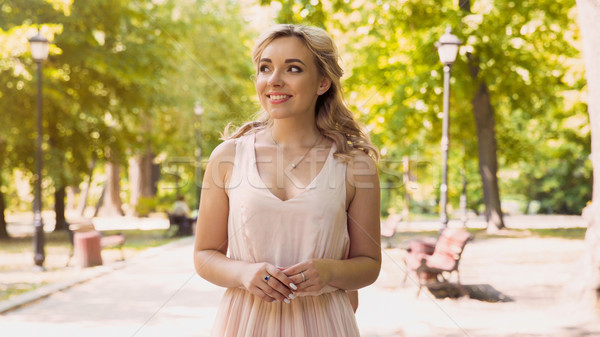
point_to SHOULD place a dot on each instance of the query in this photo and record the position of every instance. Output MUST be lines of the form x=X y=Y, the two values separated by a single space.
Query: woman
x=294 y=197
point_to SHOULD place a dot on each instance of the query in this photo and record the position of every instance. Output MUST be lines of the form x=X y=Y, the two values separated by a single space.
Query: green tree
x=507 y=82
x=122 y=77
x=17 y=97
x=213 y=68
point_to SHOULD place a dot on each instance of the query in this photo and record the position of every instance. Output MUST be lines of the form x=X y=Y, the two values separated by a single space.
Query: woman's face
x=288 y=82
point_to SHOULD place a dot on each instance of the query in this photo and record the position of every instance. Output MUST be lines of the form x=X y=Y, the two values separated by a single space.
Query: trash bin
x=87 y=249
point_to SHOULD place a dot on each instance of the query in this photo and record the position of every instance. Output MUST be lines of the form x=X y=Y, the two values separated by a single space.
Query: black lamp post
x=447 y=48
x=39 y=52
x=198 y=111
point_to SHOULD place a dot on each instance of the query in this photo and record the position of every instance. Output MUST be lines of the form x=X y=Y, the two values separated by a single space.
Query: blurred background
x=110 y=109
x=136 y=94
x=143 y=89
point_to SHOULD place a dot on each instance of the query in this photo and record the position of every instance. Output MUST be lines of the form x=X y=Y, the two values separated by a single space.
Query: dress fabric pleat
x=263 y=228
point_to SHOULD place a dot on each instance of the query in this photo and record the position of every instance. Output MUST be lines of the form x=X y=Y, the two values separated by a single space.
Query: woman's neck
x=294 y=134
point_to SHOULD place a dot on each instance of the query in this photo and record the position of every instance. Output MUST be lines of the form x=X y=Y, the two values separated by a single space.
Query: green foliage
x=303 y=11
x=123 y=76
x=145 y=206
x=561 y=173
x=523 y=51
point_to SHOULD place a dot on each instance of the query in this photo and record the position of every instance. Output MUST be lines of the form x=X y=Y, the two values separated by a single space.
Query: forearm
x=217 y=268
x=353 y=273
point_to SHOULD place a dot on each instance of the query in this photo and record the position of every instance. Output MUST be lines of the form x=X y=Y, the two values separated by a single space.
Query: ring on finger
x=303 y=277
x=267 y=278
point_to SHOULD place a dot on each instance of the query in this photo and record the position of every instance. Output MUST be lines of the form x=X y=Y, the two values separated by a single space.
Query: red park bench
x=87 y=243
x=431 y=260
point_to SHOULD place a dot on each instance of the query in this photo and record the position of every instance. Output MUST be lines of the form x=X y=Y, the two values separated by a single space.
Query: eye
x=295 y=69
x=263 y=68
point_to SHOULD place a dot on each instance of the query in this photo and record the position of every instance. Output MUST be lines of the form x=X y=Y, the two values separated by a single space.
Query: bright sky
x=259 y=17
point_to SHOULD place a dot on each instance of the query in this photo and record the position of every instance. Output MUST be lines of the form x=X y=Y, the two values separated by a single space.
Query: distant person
x=180 y=216
x=289 y=214
x=180 y=207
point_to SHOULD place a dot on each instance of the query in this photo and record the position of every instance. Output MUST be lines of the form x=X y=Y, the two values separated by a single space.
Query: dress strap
x=242 y=160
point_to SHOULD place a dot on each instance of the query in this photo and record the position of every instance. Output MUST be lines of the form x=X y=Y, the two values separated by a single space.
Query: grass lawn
x=565 y=233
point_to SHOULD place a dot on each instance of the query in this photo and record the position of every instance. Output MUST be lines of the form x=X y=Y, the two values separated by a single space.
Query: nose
x=275 y=79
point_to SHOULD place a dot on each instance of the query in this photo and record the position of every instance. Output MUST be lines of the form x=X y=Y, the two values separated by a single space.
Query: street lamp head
x=198 y=109
x=39 y=47
x=448 y=47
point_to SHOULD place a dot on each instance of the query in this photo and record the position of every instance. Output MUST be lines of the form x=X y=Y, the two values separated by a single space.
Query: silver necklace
x=294 y=165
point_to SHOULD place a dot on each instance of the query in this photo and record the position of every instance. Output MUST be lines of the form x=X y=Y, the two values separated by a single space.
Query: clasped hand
x=273 y=284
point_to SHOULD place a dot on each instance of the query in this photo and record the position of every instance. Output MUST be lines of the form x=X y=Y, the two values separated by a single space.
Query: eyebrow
x=286 y=61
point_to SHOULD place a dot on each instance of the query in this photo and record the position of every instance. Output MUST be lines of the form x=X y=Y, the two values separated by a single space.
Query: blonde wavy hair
x=333 y=118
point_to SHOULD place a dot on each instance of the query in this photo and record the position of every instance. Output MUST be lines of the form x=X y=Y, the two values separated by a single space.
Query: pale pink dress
x=263 y=228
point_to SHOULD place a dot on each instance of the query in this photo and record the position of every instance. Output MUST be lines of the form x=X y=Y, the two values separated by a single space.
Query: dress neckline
x=264 y=186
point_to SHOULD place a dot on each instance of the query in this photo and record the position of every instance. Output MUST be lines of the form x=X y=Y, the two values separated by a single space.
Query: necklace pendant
x=294 y=166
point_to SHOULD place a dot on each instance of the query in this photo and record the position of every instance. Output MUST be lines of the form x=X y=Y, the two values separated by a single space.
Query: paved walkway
x=158 y=294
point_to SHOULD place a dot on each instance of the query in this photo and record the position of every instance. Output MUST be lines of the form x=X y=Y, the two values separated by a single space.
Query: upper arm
x=211 y=227
x=364 y=198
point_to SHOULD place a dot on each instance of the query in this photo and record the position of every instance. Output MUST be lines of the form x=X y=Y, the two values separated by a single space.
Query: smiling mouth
x=278 y=97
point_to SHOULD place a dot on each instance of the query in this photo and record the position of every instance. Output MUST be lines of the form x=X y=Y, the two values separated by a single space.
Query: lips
x=278 y=97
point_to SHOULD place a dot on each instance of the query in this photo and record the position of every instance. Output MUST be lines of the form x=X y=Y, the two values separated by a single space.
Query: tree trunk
x=156 y=175
x=59 y=209
x=100 y=201
x=488 y=164
x=86 y=190
x=589 y=12
x=486 y=141
x=111 y=203
x=141 y=178
x=147 y=187
x=3 y=224
x=486 y=138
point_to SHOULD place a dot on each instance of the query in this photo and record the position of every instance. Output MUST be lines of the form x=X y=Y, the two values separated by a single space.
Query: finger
x=284 y=280
x=259 y=292
x=304 y=286
x=295 y=269
x=276 y=290
x=297 y=279
x=313 y=282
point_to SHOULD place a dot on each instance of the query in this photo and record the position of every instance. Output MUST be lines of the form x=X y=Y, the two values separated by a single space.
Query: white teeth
x=278 y=97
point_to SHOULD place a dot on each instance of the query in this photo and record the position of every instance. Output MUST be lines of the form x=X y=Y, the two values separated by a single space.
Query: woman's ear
x=324 y=85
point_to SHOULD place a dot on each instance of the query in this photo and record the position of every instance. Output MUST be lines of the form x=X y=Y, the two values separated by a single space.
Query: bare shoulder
x=223 y=151
x=220 y=163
